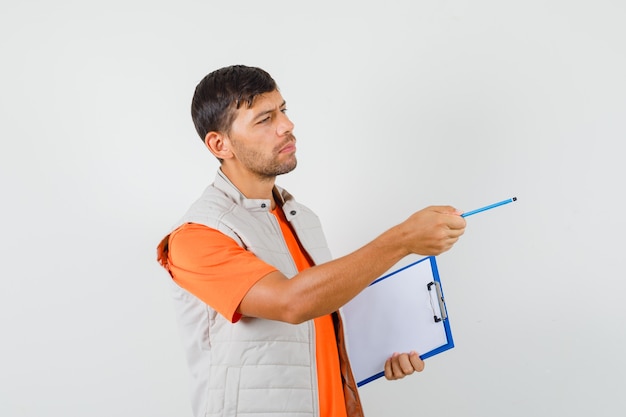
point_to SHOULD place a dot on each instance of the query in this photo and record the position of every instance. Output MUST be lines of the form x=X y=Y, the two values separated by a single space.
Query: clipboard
x=402 y=311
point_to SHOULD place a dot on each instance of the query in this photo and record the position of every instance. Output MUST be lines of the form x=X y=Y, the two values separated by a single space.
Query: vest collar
x=224 y=184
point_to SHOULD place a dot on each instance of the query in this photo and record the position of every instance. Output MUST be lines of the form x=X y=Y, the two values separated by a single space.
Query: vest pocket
x=231 y=392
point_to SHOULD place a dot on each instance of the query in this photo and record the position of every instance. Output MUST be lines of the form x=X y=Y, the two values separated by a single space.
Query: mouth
x=288 y=147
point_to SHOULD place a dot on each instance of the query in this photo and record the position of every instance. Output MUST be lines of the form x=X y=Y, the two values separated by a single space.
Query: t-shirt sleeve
x=213 y=267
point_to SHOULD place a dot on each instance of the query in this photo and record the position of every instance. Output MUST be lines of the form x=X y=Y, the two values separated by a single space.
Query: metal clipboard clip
x=438 y=300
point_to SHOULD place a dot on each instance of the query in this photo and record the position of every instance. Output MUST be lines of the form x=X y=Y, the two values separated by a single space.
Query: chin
x=287 y=168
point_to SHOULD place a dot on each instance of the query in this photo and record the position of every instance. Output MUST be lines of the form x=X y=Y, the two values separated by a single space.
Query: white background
x=397 y=105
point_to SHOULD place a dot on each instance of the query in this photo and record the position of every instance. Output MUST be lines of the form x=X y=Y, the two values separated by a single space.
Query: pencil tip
x=514 y=198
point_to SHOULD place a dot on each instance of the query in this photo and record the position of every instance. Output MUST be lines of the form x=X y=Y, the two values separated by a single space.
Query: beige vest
x=255 y=366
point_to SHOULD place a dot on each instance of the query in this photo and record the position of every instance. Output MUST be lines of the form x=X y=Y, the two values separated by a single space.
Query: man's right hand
x=432 y=230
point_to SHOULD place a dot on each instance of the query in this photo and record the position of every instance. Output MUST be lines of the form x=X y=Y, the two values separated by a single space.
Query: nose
x=285 y=126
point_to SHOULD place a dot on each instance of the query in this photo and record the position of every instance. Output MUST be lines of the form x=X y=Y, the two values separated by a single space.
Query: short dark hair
x=223 y=91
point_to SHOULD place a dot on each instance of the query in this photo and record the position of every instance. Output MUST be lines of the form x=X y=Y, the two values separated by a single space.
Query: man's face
x=262 y=137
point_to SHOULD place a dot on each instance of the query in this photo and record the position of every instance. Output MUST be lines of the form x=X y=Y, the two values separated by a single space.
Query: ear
x=218 y=144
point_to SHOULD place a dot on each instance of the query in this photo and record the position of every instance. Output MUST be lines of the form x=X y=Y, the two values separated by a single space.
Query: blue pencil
x=469 y=213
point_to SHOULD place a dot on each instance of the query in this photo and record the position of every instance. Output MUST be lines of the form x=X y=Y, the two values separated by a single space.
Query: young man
x=256 y=289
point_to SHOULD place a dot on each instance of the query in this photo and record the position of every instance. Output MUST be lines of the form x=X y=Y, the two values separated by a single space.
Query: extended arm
x=324 y=288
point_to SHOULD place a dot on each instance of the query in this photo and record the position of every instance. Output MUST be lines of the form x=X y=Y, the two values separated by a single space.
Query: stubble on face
x=266 y=166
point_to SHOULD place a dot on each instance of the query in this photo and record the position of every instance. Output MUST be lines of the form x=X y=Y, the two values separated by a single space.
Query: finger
x=388 y=371
x=392 y=368
x=455 y=233
x=446 y=210
x=416 y=362
x=456 y=222
x=405 y=365
x=396 y=371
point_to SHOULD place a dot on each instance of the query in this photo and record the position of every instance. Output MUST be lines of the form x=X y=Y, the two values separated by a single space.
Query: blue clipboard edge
x=446 y=321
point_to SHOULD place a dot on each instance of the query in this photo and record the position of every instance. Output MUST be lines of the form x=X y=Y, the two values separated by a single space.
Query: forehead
x=266 y=101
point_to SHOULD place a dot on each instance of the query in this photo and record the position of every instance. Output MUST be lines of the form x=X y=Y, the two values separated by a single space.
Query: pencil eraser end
x=514 y=198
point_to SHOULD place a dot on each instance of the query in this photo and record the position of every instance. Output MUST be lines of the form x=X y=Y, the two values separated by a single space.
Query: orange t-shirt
x=219 y=272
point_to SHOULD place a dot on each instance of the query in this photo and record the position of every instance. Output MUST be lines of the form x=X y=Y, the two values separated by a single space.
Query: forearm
x=324 y=288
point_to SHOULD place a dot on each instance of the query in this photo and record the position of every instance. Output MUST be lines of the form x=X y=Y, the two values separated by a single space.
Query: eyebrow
x=264 y=112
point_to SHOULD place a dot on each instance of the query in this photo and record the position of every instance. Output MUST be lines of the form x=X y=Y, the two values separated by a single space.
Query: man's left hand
x=400 y=365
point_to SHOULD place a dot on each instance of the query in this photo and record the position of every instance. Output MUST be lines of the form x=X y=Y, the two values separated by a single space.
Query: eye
x=265 y=119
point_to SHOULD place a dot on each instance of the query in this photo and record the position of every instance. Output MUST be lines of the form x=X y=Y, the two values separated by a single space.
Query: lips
x=289 y=148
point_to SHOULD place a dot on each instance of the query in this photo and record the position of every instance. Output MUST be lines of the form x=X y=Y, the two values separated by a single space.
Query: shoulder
x=211 y=206
x=192 y=241
x=209 y=211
